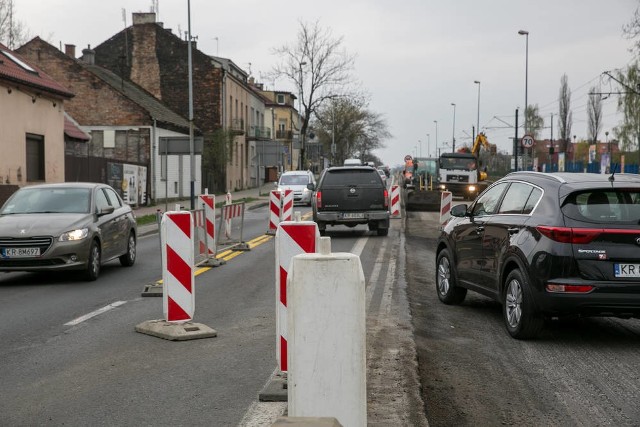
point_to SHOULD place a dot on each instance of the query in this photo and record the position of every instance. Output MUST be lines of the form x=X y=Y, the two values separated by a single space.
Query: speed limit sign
x=527 y=141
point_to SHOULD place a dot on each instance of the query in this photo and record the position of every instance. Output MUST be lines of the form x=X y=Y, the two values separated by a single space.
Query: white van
x=298 y=181
x=352 y=162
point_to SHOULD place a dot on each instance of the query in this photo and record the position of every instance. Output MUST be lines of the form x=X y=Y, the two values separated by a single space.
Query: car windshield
x=48 y=200
x=294 y=180
x=460 y=163
x=610 y=206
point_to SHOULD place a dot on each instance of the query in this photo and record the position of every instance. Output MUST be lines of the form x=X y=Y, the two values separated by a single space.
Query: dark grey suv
x=546 y=245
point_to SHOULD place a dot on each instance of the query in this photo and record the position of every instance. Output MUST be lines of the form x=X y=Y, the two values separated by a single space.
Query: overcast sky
x=414 y=57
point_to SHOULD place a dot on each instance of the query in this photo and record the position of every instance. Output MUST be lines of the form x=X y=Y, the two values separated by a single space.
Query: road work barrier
x=327 y=330
x=227 y=228
x=178 y=301
x=446 y=199
x=292 y=238
x=394 y=205
x=227 y=213
x=205 y=231
x=178 y=298
x=287 y=205
x=275 y=206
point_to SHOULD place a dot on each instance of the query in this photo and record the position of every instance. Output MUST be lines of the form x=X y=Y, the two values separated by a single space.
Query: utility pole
x=516 y=144
x=191 y=142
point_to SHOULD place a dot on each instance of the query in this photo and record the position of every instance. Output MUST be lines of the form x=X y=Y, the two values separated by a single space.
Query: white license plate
x=626 y=270
x=21 y=252
x=354 y=215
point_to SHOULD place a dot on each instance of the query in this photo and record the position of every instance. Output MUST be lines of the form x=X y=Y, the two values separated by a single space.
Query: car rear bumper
x=367 y=217
x=606 y=299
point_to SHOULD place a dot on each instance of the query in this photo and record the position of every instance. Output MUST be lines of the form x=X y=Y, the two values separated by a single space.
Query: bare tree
x=631 y=30
x=534 y=121
x=594 y=113
x=628 y=132
x=318 y=66
x=13 y=32
x=565 y=117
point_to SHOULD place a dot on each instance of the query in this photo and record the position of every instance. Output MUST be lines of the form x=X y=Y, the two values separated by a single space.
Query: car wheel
x=129 y=258
x=448 y=290
x=93 y=265
x=520 y=316
x=383 y=231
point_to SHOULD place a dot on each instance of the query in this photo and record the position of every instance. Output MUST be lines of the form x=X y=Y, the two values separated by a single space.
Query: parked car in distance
x=351 y=195
x=383 y=176
x=544 y=246
x=298 y=182
x=66 y=226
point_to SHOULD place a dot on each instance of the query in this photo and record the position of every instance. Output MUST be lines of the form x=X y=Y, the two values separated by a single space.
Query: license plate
x=20 y=252
x=353 y=215
x=626 y=270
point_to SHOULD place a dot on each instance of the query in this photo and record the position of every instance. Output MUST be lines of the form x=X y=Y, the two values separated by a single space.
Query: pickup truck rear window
x=352 y=177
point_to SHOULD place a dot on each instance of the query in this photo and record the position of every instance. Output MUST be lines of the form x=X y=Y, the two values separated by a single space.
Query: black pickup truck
x=351 y=195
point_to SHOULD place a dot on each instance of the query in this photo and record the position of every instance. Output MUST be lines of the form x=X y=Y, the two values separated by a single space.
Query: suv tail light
x=569 y=234
x=386 y=198
x=319 y=199
x=571 y=289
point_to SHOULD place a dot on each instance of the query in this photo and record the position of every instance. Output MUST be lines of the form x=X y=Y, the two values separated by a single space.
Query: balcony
x=259 y=132
x=284 y=134
x=237 y=126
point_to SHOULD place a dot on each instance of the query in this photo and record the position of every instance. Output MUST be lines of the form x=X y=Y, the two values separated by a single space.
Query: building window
x=35 y=158
x=280 y=99
x=109 y=139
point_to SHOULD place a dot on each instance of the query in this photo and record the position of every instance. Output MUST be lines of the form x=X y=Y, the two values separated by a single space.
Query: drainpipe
x=154 y=148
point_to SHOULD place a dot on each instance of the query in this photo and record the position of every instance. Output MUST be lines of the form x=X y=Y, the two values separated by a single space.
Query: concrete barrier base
x=306 y=422
x=212 y=262
x=152 y=290
x=275 y=390
x=175 y=331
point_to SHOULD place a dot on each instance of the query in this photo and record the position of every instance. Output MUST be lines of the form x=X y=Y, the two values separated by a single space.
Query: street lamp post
x=428 y=144
x=526 y=82
x=478 y=119
x=419 y=154
x=453 y=136
x=436 y=122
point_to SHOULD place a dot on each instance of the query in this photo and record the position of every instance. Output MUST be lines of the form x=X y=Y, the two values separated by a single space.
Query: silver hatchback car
x=67 y=226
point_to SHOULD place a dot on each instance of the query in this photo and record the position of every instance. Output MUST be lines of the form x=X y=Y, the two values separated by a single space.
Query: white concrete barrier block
x=327 y=337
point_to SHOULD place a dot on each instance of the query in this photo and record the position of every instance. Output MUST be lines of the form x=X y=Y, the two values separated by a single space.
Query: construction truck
x=461 y=172
x=420 y=183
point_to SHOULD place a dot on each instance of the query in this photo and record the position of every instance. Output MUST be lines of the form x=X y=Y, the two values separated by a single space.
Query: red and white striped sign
x=292 y=238
x=177 y=262
x=274 y=211
x=287 y=205
x=395 y=201
x=209 y=203
x=446 y=199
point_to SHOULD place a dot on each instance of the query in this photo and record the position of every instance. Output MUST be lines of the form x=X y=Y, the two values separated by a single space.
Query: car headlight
x=73 y=235
x=472 y=188
x=305 y=190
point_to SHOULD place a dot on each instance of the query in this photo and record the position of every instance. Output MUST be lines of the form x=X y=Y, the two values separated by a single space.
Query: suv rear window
x=352 y=177
x=619 y=206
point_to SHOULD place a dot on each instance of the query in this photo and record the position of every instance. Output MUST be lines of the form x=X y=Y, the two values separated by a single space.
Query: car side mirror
x=459 y=211
x=311 y=186
x=106 y=211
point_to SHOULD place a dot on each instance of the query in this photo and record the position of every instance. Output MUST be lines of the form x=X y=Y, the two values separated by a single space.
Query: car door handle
x=513 y=230
x=479 y=229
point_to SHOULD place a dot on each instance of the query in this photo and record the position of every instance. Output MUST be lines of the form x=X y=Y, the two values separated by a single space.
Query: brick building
x=125 y=123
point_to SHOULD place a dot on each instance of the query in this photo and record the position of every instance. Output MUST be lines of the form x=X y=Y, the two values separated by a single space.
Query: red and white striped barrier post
x=208 y=242
x=292 y=238
x=395 y=201
x=227 y=212
x=274 y=211
x=227 y=228
x=177 y=272
x=446 y=199
x=287 y=205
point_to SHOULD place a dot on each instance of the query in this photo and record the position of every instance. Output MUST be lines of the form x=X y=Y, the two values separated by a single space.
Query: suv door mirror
x=459 y=211
x=310 y=186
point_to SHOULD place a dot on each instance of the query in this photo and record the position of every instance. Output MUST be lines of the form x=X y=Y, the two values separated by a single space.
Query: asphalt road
x=579 y=373
x=59 y=368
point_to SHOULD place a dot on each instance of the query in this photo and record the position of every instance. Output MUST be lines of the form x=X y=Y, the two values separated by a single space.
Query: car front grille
x=44 y=243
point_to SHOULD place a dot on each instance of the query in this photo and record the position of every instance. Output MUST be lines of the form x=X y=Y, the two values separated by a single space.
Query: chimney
x=70 y=50
x=144 y=18
x=89 y=55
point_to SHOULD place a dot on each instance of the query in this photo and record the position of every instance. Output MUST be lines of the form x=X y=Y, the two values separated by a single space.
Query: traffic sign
x=527 y=141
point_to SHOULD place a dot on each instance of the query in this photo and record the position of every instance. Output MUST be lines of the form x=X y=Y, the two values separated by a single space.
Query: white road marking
x=94 y=313
x=359 y=246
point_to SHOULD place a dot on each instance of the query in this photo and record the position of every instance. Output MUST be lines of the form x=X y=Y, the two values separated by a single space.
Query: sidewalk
x=261 y=197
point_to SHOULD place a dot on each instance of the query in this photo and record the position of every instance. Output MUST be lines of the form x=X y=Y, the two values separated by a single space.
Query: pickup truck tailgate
x=354 y=197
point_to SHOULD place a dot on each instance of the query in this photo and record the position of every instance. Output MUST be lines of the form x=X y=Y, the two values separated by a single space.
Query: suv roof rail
x=541 y=174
